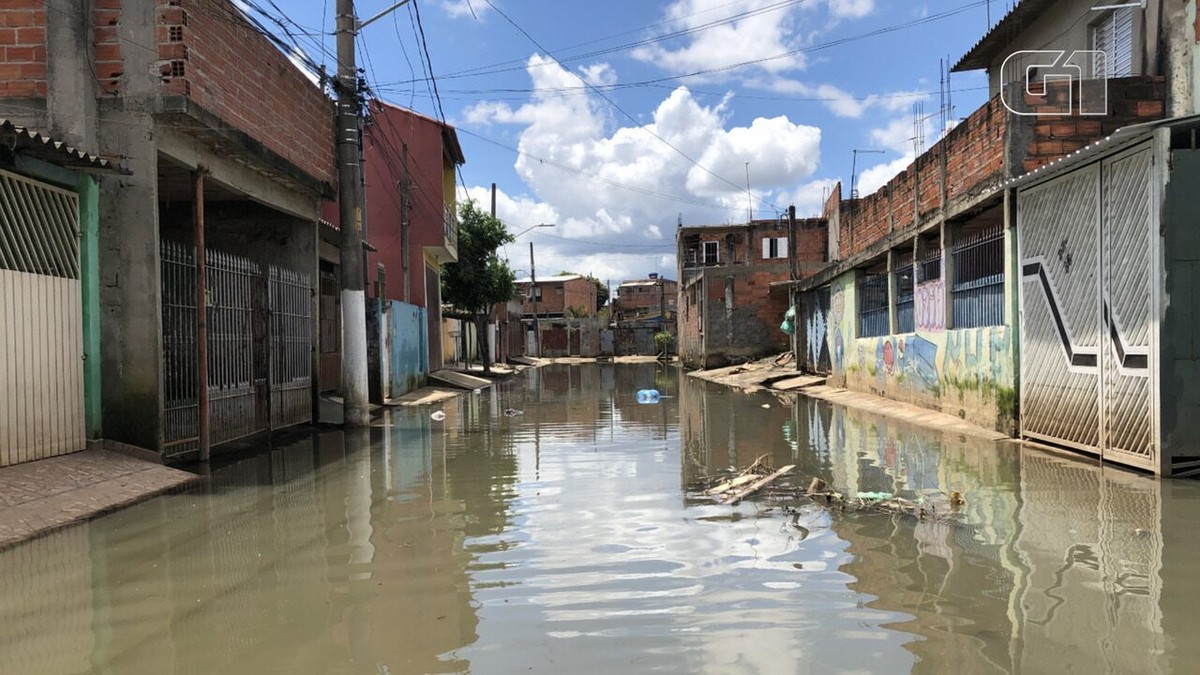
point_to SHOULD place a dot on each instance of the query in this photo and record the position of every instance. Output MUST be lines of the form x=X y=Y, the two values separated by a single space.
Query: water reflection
x=546 y=526
x=1054 y=563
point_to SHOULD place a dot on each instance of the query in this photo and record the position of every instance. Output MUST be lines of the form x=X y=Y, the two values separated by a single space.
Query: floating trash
x=437 y=416
x=513 y=412
x=647 y=396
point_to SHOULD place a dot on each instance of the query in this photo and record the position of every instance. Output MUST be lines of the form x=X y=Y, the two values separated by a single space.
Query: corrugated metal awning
x=34 y=144
x=1119 y=140
x=1002 y=35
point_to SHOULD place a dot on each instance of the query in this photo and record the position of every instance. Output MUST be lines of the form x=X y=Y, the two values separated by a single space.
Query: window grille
x=712 y=252
x=978 y=284
x=873 y=305
x=904 y=299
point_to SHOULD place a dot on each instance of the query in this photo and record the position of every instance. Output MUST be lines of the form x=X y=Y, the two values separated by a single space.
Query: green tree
x=480 y=278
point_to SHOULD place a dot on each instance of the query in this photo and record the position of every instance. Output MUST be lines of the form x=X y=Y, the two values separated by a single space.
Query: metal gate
x=259 y=347
x=41 y=322
x=1086 y=300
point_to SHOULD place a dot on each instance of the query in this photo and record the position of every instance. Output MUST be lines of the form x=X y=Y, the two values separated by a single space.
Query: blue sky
x=630 y=115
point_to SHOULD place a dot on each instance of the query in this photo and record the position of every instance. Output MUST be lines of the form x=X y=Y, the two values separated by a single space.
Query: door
x=1086 y=307
x=41 y=322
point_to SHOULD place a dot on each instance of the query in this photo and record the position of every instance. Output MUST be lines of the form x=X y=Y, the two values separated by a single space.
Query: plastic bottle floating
x=647 y=396
x=438 y=416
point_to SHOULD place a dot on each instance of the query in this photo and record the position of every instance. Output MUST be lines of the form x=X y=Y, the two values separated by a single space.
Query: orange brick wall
x=22 y=49
x=976 y=156
x=234 y=72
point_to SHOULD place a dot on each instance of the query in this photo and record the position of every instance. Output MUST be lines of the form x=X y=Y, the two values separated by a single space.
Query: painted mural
x=965 y=372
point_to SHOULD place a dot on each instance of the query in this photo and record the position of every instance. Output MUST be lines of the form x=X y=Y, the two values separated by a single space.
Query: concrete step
x=459 y=380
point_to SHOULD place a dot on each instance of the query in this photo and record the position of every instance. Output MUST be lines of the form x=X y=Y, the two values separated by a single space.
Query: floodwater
x=567 y=540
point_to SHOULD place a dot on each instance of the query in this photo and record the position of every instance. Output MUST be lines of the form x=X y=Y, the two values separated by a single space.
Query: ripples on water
x=565 y=540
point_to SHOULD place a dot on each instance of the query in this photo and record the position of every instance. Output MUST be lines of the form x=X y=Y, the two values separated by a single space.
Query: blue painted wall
x=410 y=347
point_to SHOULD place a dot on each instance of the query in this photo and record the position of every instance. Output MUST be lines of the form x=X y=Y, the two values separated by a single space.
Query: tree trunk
x=485 y=355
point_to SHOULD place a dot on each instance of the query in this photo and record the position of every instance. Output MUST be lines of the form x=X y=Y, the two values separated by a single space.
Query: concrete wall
x=968 y=372
x=1179 y=360
x=1067 y=24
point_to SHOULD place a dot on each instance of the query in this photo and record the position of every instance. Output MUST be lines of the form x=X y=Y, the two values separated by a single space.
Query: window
x=978 y=284
x=711 y=252
x=535 y=292
x=774 y=247
x=1113 y=35
x=904 y=297
x=873 y=305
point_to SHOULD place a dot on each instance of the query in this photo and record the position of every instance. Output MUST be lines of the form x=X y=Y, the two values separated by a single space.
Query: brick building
x=921 y=300
x=557 y=297
x=646 y=300
x=203 y=110
x=728 y=310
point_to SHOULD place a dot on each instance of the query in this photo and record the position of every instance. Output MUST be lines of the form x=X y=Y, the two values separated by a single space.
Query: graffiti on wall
x=972 y=358
x=977 y=353
x=929 y=305
x=835 y=327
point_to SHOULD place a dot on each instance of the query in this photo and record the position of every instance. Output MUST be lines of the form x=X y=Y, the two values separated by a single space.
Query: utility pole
x=355 y=406
x=793 y=275
x=533 y=288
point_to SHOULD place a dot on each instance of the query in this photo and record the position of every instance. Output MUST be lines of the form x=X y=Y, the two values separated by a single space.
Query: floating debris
x=513 y=412
x=437 y=416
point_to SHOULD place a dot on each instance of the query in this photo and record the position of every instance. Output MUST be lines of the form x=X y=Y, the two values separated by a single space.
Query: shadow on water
x=546 y=525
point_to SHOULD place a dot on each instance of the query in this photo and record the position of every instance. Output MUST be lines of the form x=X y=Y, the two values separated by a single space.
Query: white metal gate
x=1086 y=304
x=41 y=322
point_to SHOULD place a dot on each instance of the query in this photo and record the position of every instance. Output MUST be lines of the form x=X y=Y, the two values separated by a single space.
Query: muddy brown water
x=566 y=540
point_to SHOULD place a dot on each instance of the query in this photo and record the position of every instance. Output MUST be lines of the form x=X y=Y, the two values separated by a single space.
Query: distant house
x=728 y=310
x=556 y=297
x=646 y=300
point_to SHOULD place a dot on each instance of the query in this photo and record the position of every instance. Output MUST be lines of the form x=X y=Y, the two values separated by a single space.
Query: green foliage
x=480 y=278
x=663 y=341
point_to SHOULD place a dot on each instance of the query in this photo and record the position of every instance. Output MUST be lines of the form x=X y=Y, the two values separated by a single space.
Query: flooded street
x=565 y=539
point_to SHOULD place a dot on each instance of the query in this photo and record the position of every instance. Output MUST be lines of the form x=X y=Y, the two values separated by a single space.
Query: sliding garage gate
x=41 y=322
x=1086 y=240
x=259 y=347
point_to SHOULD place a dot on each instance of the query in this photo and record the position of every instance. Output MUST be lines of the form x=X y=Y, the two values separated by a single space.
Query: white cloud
x=617 y=193
x=870 y=180
x=761 y=35
x=809 y=198
x=464 y=8
x=851 y=9
x=839 y=101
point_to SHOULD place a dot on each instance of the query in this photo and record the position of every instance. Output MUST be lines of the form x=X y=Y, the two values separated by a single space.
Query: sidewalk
x=766 y=375
x=38 y=497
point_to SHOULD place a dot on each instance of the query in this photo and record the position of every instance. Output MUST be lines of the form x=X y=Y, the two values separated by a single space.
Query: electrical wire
x=633 y=119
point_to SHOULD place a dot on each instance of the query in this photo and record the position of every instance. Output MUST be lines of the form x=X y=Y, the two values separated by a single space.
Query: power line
x=633 y=119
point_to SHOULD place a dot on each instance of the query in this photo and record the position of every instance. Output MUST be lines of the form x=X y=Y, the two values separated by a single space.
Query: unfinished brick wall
x=22 y=49
x=977 y=154
x=974 y=155
x=209 y=53
x=1130 y=100
x=109 y=63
